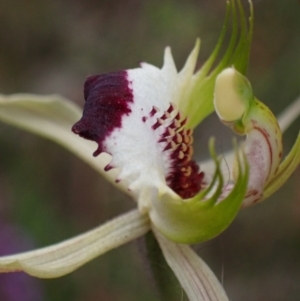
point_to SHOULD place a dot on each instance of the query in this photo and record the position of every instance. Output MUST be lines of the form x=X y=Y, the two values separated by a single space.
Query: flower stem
x=162 y=277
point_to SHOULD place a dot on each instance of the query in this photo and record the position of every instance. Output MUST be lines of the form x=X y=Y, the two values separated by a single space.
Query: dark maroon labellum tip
x=107 y=99
x=108 y=167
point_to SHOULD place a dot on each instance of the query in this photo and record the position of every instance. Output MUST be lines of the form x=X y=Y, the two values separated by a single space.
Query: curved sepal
x=198 y=103
x=65 y=257
x=286 y=168
x=196 y=278
x=204 y=216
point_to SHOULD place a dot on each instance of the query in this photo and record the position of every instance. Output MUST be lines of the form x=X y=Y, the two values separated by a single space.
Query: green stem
x=164 y=280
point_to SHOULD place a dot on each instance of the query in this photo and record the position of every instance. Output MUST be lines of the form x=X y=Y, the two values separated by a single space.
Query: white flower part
x=60 y=259
x=143 y=160
x=196 y=278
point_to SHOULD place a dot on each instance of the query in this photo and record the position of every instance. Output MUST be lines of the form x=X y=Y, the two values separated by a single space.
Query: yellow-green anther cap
x=237 y=107
x=233 y=94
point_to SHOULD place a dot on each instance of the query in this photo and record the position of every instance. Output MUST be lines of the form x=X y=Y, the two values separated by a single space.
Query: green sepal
x=199 y=104
x=286 y=168
x=206 y=215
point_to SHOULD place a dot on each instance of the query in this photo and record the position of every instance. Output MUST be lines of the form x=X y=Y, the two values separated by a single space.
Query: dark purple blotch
x=107 y=99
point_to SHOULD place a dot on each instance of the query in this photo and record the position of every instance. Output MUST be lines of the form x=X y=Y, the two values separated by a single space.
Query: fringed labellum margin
x=123 y=126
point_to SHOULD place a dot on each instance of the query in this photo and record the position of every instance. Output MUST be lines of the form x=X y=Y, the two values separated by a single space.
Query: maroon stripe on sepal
x=107 y=99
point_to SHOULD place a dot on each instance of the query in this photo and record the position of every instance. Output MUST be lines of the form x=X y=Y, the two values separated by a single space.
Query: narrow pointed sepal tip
x=233 y=93
x=200 y=99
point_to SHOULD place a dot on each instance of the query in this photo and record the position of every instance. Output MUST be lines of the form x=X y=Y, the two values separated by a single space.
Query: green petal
x=286 y=168
x=198 y=104
x=52 y=117
x=65 y=257
x=204 y=216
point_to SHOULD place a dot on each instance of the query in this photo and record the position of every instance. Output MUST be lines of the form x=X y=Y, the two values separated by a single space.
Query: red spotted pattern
x=185 y=177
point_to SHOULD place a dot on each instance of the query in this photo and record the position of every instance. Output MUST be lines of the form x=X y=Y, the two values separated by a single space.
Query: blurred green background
x=48 y=195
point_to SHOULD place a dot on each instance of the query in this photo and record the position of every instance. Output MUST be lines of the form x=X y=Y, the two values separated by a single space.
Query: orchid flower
x=142 y=121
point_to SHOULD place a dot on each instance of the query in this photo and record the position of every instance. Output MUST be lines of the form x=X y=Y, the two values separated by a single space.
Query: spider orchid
x=142 y=121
